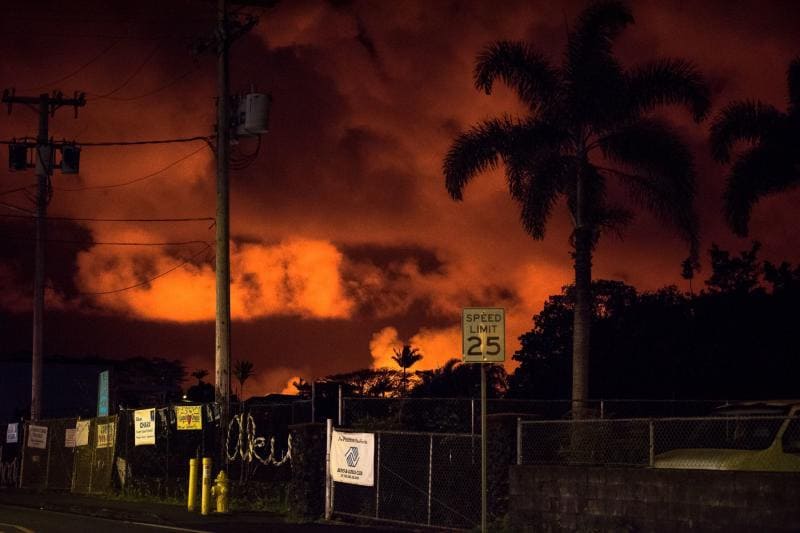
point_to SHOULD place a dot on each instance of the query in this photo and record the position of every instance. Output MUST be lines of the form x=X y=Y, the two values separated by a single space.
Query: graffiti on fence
x=248 y=447
x=9 y=473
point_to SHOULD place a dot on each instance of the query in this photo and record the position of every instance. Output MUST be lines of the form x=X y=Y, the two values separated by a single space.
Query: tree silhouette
x=200 y=374
x=242 y=371
x=771 y=164
x=405 y=359
x=588 y=111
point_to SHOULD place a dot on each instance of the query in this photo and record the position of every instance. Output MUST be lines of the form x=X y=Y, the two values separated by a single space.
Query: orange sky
x=345 y=242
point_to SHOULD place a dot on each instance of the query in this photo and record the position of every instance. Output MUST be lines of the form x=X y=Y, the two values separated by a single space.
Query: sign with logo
x=105 y=435
x=483 y=334
x=82 y=433
x=189 y=416
x=69 y=438
x=144 y=427
x=12 y=433
x=102 y=394
x=352 y=458
x=37 y=437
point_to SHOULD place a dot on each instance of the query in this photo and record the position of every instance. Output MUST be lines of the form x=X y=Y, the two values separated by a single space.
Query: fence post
x=652 y=444
x=49 y=447
x=313 y=401
x=328 y=481
x=377 y=475
x=519 y=440
x=341 y=406
x=430 y=476
x=602 y=409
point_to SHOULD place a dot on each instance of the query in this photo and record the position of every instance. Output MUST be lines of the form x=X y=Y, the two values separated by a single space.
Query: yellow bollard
x=220 y=492
x=192 y=489
x=205 y=495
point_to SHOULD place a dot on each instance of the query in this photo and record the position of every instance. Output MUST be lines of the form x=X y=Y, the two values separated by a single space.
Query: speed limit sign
x=483 y=334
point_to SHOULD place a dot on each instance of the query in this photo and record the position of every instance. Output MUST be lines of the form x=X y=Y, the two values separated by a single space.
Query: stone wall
x=564 y=498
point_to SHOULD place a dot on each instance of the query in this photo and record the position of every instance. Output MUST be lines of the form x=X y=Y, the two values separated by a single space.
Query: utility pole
x=46 y=106
x=222 y=354
x=227 y=31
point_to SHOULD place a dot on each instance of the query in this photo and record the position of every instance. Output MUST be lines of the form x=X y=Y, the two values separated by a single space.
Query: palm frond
x=614 y=218
x=595 y=81
x=793 y=79
x=759 y=172
x=520 y=67
x=742 y=121
x=598 y=26
x=662 y=177
x=547 y=178
x=669 y=81
x=475 y=151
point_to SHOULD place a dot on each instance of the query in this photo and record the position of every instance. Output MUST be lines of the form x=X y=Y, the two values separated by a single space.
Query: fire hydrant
x=220 y=491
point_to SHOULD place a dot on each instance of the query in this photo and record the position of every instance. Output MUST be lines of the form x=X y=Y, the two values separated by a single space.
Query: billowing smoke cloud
x=298 y=277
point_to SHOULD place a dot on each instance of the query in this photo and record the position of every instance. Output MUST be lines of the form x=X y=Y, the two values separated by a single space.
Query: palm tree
x=405 y=359
x=771 y=164
x=199 y=374
x=588 y=120
x=242 y=370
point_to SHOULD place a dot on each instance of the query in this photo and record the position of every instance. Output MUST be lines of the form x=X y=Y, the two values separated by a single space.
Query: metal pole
x=222 y=355
x=430 y=477
x=484 y=484
x=313 y=401
x=42 y=179
x=340 y=406
x=377 y=474
x=328 y=482
x=472 y=429
x=652 y=444
x=519 y=440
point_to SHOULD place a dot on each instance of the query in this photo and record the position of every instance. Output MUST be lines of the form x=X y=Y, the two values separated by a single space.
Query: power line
x=17 y=208
x=75 y=219
x=130 y=78
x=130 y=182
x=166 y=85
x=18 y=189
x=103 y=243
x=161 y=275
x=79 y=69
x=206 y=138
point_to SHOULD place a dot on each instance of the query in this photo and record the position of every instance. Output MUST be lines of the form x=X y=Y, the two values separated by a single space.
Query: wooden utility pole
x=222 y=355
x=46 y=106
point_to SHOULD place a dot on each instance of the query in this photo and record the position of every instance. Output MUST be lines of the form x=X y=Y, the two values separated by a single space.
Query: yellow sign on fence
x=189 y=416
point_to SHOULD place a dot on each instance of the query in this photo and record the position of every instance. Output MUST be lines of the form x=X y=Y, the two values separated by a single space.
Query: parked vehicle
x=756 y=436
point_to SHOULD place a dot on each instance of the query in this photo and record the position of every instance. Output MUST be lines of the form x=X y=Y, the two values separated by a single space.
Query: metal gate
x=428 y=479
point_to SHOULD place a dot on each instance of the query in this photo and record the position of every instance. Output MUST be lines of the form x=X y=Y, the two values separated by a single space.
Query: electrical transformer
x=253 y=114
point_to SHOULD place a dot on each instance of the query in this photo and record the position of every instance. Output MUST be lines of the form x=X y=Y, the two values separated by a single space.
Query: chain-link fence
x=430 y=479
x=68 y=454
x=442 y=414
x=10 y=453
x=770 y=443
x=463 y=414
x=160 y=467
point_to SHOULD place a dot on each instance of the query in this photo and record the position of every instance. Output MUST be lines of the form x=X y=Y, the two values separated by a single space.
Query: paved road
x=24 y=520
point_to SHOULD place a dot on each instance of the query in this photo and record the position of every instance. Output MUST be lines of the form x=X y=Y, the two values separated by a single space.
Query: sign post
x=483 y=340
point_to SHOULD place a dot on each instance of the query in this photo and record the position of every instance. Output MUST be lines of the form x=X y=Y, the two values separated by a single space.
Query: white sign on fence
x=37 y=437
x=69 y=438
x=12 y=433
x=352 y=458
x=82 y=433
x=105 y=435
x=144 y=427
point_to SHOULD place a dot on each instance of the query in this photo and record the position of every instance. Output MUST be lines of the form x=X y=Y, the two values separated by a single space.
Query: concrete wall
x=563 y=498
